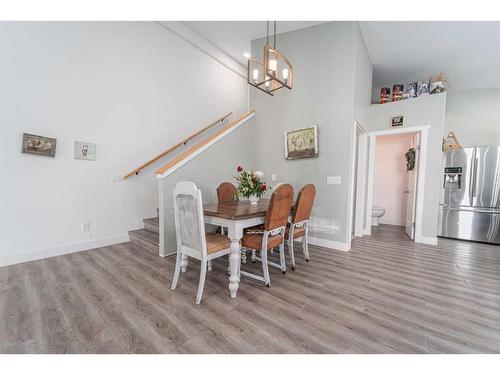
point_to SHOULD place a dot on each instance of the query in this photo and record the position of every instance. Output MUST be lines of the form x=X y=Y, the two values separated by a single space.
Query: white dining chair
x=192 y=241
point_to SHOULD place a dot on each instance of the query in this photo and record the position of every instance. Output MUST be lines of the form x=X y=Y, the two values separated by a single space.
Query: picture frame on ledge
x=301 y=143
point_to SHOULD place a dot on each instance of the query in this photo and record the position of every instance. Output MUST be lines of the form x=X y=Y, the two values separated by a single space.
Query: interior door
x=411 y=192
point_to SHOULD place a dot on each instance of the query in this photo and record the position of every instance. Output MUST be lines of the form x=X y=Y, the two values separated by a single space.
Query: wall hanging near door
x=275 y=73
x=451 y=142
x=410 y=159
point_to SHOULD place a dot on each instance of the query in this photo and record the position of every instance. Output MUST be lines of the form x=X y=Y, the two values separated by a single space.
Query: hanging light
x=276 y=72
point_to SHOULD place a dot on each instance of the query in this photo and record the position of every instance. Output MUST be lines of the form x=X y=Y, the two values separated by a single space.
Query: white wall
x=324 y=61
x=133 y=88
x=424 y=110
x=390 y=178
x=474 y=116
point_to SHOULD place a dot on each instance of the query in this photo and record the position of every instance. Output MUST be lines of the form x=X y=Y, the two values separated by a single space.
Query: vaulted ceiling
x=467 y=52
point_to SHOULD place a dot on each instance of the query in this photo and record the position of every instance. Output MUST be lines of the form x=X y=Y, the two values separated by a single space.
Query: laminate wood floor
x=387 y=295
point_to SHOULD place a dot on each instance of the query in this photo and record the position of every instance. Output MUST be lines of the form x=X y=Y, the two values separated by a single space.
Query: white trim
x=361 y=186
x=235 y=126
x=28 y=256
x=161 y=212
x=335 y=245
x=424 y=132
x=426 y=240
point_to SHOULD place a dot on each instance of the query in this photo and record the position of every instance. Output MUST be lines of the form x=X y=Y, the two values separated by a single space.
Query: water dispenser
x=453 y=178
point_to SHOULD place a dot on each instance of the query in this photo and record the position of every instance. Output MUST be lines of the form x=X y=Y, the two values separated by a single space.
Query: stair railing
x=174 y=147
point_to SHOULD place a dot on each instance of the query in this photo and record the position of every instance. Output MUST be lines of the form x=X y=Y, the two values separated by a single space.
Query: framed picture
x=38 y=145
x=396 y=121
x=85 y=150
x=397 y=92
x=301 y=143
x=423 y=88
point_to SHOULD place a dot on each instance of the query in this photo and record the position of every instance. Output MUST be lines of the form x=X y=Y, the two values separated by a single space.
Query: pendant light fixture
x=274 y=73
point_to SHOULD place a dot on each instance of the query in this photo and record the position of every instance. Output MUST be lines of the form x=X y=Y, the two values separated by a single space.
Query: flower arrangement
x=250 y=184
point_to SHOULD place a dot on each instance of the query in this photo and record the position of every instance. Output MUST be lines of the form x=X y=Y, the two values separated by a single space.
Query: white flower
x=259 y=174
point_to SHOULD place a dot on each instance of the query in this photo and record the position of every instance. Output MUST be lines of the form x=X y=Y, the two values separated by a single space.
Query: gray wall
x=425 y=110
x=474 y=116
x=324 y=61
x=133 y=88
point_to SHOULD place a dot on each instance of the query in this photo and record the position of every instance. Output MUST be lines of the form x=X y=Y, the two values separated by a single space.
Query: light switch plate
x=273 y=177
x=333 y=180
x=85 y=227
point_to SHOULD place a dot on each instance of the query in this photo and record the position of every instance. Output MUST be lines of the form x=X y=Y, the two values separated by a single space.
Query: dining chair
x=273 y=234
x=227 y=192
x=297 y=227
x=192 y=241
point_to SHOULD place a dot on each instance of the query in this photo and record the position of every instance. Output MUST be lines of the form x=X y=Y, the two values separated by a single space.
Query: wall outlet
x=85 y=227
x=116 y=178
x=273 y=177
x=333 y=180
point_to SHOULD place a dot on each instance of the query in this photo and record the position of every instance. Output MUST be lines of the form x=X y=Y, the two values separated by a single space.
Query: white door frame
x=360 y=185
x=419 y=199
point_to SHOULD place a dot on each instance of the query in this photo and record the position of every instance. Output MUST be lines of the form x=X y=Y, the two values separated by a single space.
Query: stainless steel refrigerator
x=470 y=208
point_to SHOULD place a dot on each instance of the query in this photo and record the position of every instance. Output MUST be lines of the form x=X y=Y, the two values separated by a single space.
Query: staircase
x=147 y=238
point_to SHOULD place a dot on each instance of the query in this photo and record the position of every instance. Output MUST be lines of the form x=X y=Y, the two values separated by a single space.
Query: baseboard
x=426 y=240
x=28 y=256
x=335 y=245
x=392 y=222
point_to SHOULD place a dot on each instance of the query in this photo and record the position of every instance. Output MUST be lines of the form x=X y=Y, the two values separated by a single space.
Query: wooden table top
x=237 y=210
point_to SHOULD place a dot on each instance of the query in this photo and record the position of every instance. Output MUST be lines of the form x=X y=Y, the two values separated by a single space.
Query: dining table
x=236 y=216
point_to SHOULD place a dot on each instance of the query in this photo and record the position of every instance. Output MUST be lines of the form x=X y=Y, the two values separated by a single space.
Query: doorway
x=394 y=182
x=413 y=205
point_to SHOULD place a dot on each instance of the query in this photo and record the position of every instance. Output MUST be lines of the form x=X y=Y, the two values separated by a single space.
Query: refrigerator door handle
x=473 y=180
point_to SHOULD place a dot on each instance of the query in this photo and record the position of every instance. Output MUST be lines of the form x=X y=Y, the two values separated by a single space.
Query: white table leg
x=235 y=234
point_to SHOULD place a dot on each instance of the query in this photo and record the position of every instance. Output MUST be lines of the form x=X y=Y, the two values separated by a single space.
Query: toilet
x=377 y=212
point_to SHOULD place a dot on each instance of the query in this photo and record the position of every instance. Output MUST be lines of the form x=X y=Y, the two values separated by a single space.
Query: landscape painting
x=301 y=143
x=38 y=145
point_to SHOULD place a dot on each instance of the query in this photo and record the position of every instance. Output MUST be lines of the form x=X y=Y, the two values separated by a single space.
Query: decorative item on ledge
x=250 y=184
x=451 y=142
x=410 y=159
x=275 y=73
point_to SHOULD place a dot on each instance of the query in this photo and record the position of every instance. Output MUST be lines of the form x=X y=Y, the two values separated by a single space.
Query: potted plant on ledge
x=250 y=184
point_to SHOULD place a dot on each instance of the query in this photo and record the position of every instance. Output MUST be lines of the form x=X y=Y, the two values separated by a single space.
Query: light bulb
x=272 y=66
x=267 y=85
x=255 y=75
x=284 y=72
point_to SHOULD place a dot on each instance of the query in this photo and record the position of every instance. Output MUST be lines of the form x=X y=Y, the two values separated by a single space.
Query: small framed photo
x=85 y=150
x=301 y=143
x=396 y=121
x=38 y=145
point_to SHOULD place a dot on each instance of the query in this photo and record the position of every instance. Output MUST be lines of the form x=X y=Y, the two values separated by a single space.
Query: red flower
x=239 y=169
x=263 y=187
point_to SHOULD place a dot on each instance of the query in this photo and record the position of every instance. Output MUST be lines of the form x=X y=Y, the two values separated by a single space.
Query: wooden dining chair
x=227 y=192
x=273 y=234
x=297 y=227
x=192 y=241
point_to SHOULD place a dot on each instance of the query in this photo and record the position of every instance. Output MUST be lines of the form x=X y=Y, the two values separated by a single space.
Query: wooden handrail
x=183 y=142
x=195 y=148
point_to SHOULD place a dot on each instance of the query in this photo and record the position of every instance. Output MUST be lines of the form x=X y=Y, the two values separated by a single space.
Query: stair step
x=145 y=239
x=152 y=224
